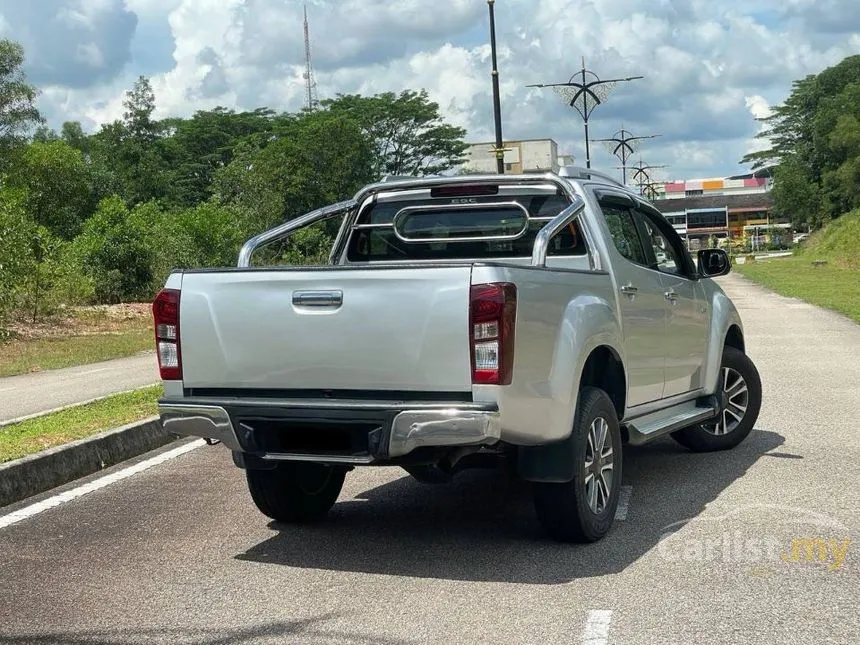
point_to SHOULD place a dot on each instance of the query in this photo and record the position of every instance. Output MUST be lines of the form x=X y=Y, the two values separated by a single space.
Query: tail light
x=165 y=313
x=492 y=320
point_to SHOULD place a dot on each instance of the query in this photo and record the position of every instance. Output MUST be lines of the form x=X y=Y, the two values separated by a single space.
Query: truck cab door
x=686 y=308
x=641 y=303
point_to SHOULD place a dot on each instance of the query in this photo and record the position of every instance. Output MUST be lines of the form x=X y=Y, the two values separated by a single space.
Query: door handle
x=318 y=298
x=671 y=295
x=629 y=289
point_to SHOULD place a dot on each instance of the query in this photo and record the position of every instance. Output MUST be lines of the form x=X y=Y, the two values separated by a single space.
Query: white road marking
x=98 y=369
x=101 y=482
x=596 y=630
x=623 y=502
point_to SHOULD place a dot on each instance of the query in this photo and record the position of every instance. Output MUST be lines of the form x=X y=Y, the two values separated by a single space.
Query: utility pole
x=310 y=82
x=623 y=144
x=584 y=91
x=497 y=106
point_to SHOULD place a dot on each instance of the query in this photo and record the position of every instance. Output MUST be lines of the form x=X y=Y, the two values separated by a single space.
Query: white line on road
x=596 y=630
x=623 y=502
x=88 y=372
x=101 y=482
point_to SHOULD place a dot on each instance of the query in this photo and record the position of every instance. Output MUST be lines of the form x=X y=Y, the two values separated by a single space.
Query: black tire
x=563 y=508
x=704 y=437
x=296 y=491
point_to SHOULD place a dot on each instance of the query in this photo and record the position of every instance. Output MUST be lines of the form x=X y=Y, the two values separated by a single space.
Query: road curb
x=54 y=467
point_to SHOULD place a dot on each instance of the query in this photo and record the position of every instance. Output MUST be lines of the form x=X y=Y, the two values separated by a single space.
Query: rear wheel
x=739 y=395
x=296 y=491
x=582 y=510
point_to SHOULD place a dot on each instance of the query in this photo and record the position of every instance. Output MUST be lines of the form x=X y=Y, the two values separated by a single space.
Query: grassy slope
x=38 y=434
x=835 y=285
x=85 y=337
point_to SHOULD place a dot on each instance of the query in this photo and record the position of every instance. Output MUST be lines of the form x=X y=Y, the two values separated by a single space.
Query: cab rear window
x=405 y=231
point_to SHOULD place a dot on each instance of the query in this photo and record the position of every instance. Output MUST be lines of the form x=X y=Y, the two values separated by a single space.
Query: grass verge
x=833 y=286
x=84 y=337
x=35 y=435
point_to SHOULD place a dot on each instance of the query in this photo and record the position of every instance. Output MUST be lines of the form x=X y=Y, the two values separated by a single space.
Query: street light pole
x=623 y=144
x=497 y=105
x=576 y=93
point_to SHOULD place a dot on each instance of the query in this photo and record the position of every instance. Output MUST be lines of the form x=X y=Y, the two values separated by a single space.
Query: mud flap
x=550 y=463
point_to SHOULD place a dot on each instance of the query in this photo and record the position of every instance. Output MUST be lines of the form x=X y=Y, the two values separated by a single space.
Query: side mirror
x=713 y=263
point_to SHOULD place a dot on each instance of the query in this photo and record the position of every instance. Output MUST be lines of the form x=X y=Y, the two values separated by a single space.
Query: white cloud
x=709 y=68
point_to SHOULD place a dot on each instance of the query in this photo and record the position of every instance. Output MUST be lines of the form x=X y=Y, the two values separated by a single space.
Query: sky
x=710 y=67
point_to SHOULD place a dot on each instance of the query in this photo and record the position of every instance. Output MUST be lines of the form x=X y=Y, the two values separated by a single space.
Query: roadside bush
x=167 y=243
x=55 y=278
x=116 y=253
x=16 y=231
x=215 y=232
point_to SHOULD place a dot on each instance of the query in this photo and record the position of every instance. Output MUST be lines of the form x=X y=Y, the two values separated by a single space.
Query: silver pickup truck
x=542 y=321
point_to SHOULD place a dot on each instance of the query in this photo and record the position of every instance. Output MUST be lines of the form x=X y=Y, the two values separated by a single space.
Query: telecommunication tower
x=310 y=82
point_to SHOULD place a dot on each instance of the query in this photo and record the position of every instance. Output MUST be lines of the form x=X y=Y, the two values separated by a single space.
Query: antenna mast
x=310 y=83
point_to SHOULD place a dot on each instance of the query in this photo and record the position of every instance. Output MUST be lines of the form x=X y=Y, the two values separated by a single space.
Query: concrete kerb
x=54 y=467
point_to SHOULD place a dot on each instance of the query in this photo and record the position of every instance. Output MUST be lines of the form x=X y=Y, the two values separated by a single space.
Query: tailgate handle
x=318 y=298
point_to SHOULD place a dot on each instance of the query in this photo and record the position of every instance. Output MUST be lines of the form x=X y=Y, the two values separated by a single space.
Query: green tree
x=139 y=105
x=73 y=134
x=814 y=137
x=198 y=147
x=318 y=158
x=214 y=233
x=408 y=134
x=44 y=134
x=795 y=195
x=57 y=182
x=115 y=251
x=18 y=112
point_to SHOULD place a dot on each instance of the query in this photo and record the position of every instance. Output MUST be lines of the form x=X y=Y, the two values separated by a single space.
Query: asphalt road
x=178 y=554
x=39 y=392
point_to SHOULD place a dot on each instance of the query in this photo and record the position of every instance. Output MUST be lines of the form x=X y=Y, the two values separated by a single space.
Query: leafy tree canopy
x=407 y=132
x=815 y=144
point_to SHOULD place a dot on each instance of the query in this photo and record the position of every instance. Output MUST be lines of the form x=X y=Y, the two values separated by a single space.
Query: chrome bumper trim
x=410 y=429
x=207 y=421
x=449 y=427
x=328 y=459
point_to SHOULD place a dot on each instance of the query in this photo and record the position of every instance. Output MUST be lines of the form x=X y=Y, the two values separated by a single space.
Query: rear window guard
x=545 y=226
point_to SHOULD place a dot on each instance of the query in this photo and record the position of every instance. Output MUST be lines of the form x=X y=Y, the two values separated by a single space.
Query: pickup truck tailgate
x=332 y=329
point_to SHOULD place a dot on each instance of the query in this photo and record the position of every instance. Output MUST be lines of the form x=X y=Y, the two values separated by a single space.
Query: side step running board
x=662 y=422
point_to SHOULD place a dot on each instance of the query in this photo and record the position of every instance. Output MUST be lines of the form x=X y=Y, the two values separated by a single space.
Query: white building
x=527 y=155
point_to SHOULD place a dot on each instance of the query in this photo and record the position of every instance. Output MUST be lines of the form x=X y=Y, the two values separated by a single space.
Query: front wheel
x=582 y=510
x=739 y=396
x=296 y=491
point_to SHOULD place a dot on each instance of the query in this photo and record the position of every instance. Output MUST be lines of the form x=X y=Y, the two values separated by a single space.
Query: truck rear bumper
x=337 y=432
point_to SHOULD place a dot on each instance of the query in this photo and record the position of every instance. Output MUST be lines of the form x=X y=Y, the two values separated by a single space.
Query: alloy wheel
x=735 y=399
x=599 y=466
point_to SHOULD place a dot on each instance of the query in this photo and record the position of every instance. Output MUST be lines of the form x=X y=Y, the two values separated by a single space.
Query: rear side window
x=398 y=230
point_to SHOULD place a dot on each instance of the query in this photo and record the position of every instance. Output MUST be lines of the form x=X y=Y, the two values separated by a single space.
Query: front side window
x=622 y=229
x=669 y=253
x=667 y=261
